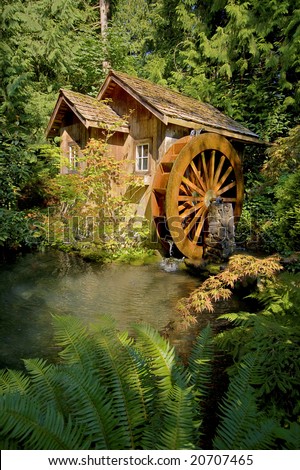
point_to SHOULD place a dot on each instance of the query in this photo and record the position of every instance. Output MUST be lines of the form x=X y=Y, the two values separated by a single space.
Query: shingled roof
x=90 y=111
x=173 y=107
x=167 y=105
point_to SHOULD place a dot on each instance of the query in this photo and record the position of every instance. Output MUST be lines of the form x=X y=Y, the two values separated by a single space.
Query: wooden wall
x=144 y=126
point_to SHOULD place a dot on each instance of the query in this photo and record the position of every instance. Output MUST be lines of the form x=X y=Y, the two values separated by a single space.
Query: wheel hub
x=209 y=196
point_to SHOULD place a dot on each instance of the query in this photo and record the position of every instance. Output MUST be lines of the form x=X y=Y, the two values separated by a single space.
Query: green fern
x=200 y=361
x=73 y=337
x=90 y=405
x=163 y=362
x=13 y=381
x=44 y=387
x=23 y=420
x=110 y=391
x=290 y=436
x=178 y=425
x=242 y=426
x=119 y=375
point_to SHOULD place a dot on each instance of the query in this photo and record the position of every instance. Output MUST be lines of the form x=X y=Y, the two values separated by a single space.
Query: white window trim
x=73 y=154
x=137 y=158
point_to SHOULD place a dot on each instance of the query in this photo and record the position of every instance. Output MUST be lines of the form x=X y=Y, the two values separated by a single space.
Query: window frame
x=73 y=156
x=141 y=158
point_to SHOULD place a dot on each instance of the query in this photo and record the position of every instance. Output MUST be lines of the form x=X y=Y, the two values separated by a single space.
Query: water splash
x=171 y=264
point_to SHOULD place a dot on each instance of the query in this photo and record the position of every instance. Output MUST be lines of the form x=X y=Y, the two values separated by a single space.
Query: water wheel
x=193 y=173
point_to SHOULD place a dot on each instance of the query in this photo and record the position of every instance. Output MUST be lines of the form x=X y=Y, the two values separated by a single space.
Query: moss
x=92 y=255
x=153 y=258
x=213 y=268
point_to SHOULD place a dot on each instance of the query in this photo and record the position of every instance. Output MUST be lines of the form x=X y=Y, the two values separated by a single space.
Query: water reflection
x=42 y=284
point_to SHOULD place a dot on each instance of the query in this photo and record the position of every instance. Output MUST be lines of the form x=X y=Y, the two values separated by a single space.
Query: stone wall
x=220 y=241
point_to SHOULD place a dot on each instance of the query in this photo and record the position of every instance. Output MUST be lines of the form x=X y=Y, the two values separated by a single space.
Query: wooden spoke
x=199 y=165
x=207 y=166
x=191 y=185
x=229 y=199
x=205 y=169
x=226 y=188
x=199 y=228
x=212 y=168
x=197 y=173
x=224 y=178
x=185 y=190
x=184 y=206
x=189 y=198
x=191 y=210
x=193 y=221
x=219 y=169
x=188 y=175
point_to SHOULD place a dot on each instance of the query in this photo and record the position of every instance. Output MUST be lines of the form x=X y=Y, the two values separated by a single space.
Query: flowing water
x=40 y=285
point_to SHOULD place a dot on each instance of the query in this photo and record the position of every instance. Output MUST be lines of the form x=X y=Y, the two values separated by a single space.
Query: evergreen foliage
x=269 y=340
x=241 y=56
x=270 y=217
x=242 y=426
x=113 y=391
x=108 y=392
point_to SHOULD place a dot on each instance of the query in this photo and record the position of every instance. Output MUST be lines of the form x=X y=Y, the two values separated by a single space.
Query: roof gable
x=172 y=107
x=90 y=111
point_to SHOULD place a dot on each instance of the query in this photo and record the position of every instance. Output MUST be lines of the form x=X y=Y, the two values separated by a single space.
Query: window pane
x=142 y=157
x=145 y=164
x=73 y=156
x=145 y=150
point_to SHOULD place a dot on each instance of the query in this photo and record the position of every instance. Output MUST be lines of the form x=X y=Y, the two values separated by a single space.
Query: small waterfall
x=171 y=243
x=170 y=264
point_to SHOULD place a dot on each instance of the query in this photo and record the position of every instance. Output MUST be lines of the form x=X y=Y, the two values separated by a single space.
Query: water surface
x=40 y=285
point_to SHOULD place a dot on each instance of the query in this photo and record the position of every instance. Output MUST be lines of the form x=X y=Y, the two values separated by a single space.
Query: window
x=73 y=157
x=142 y=162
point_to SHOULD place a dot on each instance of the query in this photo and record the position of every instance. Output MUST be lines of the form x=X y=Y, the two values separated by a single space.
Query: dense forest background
x=243 y=57
x=240 y=56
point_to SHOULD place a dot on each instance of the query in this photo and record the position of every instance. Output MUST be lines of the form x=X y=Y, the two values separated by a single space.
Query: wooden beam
x=53 y=115
x=245 y=138
x=75 y=111
x=101 y=125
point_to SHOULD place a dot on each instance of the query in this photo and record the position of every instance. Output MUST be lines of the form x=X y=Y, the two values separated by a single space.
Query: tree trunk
x=104 y=9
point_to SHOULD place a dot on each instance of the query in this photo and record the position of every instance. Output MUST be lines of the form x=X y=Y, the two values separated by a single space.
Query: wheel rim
x=207 y=168
x=159 y=187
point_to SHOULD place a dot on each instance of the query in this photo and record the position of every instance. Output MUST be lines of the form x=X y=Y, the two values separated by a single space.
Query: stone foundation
x=220 y=241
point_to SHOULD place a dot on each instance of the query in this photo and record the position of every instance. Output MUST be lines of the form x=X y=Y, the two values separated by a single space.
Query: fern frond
x=44 y=387
x=23 y=421
x=90 y=405
x=139 y=375
x=233 y=341
x=119 y=375
x=238 y=318
x=9 y=444
x=290 y=436
x=178 y=423
x=73 y=337
x=13 y=381
x=240 y=416
x=200 y=361
x=262 y=435
x=163 y=362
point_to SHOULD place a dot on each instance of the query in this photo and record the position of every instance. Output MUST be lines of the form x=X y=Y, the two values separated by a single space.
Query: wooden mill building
x=162 y=128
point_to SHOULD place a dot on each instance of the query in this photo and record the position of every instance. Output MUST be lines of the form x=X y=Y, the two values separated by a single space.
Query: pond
x=40 y=285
